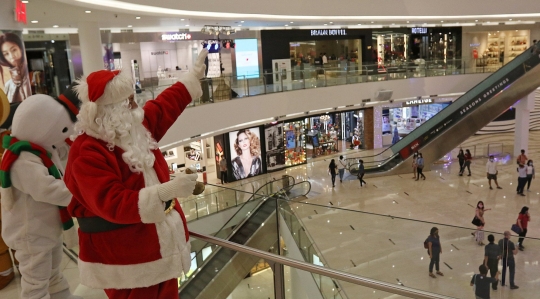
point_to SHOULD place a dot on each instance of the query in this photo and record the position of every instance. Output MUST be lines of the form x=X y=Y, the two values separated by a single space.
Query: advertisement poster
x=219 y=150
x=245 y=147
x=15 y=81
x=247 y=58
x=291 y=139
x=275 y=152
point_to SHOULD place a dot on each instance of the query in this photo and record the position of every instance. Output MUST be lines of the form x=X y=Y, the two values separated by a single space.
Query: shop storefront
x=198 y=154
x=398 y=122
x=492 y=49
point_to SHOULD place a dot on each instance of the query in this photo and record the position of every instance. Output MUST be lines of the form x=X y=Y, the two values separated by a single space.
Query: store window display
x=275 y=149
x=295 y=152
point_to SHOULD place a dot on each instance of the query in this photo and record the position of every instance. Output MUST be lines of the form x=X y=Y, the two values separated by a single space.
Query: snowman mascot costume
x=34 y=196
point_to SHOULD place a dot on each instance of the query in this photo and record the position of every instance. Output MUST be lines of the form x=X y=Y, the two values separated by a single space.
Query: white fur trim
x=150 y=206
x=101 y=276
x=117 y=90
x=71 y=238
x=7 y=199
x=192 y=84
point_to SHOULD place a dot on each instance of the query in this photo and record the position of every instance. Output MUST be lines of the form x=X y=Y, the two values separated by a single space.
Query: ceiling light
x=286 y=25
x=87 y=11
x=241 y=21
x=325 y=24
x=34 y=22
x=476 y=20
x=372 y=22
x=407 y=22
x=509 y=19
x=137 y=18
x=442 y=21
x=25 y=1
x=129 y=26
x=291 y=22
x=240 y=25
x=55 y=26
x=359 y=24
x=187 y=25
x=331 y=22
x=52 y=41
x=182 y=19
x=393 y=23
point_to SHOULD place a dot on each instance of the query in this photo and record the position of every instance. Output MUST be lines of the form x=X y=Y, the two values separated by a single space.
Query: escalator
x=460 y=120
x=254 y=225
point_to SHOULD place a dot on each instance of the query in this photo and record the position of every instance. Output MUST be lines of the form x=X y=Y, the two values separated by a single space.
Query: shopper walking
x=434 y=251
x=420 y=167
x=341 y=165
x=481 y=282
x=479 y=221
x=530 y=173
x=523 y=222
x=461 y=159
x=508 y=250
x=223 y=169
x=492 y=255
x=468 y=160
x=522 y=179
x=332 y=170
x=491 y=170
x=361 y=172
x=522 y=159
x=414 y=165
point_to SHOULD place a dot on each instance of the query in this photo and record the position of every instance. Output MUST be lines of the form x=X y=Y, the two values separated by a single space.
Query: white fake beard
x=137 y=143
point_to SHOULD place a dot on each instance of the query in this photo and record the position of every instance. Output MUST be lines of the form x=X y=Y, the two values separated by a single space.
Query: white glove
x=181 y=186
x=199 y=67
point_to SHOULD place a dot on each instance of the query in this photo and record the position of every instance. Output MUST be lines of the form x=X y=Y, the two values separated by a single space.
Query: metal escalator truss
x=221 y=272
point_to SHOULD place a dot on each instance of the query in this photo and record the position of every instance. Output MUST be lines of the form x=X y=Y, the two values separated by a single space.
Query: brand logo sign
x=175 y=36
x=20 y=11
x=160 y=53
x=323 y=32
x=418 y=102
x=487 y=94
x=419 y=30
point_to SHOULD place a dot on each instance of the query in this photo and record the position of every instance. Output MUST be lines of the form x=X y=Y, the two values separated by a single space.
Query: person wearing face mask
x=523 y=221
x=491 y=170
x=530 y=173
x=479 y=221
x=12 y=56
x=420 y=167
x=522 y=179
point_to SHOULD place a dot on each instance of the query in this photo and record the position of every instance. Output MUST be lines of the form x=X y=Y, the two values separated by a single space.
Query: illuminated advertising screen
x=245 y=147
x=247 y=58
x=275 y=152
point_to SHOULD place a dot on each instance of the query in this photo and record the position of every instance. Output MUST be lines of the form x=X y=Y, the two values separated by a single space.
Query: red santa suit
x=152 y=247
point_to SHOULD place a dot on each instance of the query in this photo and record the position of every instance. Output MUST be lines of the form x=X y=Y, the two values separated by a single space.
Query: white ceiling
x=67 y=14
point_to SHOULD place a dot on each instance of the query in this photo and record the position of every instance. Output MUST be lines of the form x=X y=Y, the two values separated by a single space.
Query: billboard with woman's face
x=245 y=147
x=14 y=79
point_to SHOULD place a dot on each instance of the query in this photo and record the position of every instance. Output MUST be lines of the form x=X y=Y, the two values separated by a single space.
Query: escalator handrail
x=335 y=274
x=460 y=102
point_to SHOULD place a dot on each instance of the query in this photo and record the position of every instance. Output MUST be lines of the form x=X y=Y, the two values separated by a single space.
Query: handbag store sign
x=417 y=102
x=328 y=32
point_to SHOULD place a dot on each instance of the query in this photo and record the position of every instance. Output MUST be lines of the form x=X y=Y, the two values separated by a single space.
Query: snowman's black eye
x=65 y=130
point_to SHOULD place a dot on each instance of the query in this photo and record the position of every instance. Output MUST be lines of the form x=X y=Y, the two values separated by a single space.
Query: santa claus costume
x=34 y=197
x=133 y=235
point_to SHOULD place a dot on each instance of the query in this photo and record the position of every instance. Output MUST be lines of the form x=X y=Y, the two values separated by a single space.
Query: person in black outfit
x=332 y=168
x=492 y=255
x=461 y=159
x=361 y=172
x=508 y=250
x=482 y=282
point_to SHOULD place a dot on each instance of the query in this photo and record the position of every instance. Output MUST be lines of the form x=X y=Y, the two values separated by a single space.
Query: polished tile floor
x=391 y=248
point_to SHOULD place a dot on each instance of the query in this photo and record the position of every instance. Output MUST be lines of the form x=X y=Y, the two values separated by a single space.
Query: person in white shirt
x=530 y=173
x=341 y=168
x=522 y=179
x=491 y=169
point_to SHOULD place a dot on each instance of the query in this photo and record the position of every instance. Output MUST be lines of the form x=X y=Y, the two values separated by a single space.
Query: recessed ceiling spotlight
x=187 y=25
x=509 y=19
x=359 y=24
x=129 y=26
x=442 y=21
x=291 y=22
x=488 y=22
x=137 y=18
x=393 y=23
x=241 y=21
x=325 y=24
x=182 y=19
x=407 y=22
x=25 y=1
x=88 y=11
x=55 y=26
x=286 y=25
x=372 y=22
x=476 y=20
x=34 y=22
x=240 y=25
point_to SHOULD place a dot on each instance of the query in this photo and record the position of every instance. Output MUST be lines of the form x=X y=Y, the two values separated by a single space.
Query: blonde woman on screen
x=248 y=162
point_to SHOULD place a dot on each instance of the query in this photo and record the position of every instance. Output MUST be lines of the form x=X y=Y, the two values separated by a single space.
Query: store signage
x=323 y=32
x=487 y=95
x=175 y=36
x=44 y=37
x=160 y=53
x=419 y=30
x=20 y=11
x=418 y=102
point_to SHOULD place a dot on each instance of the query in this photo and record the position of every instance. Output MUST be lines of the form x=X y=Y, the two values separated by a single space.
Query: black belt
x=100 y=225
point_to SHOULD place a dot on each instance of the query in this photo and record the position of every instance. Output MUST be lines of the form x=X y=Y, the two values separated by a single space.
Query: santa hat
x=103 y=88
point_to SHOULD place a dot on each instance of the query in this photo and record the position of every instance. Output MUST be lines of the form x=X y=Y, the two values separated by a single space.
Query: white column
x=523 y=109
x=91 y=48
x=377 y=127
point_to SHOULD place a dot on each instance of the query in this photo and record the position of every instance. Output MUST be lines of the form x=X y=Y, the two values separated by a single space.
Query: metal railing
x=335 y=274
